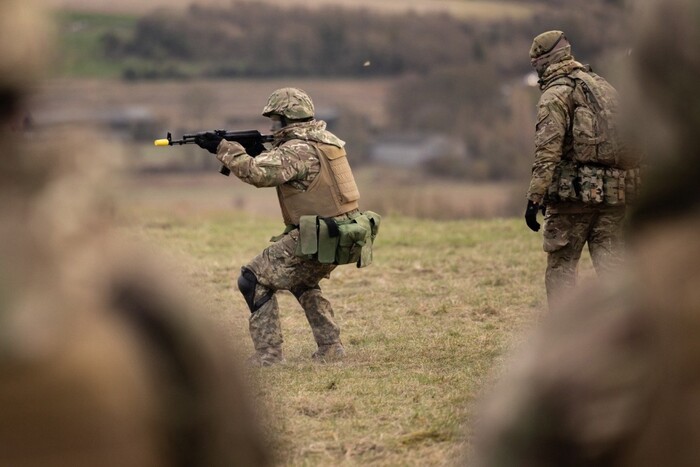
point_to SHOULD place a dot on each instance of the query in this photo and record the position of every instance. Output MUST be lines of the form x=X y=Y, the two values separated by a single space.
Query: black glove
x=531 y=215
x=209 y=141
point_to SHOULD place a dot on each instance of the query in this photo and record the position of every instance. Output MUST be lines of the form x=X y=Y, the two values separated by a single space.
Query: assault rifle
x=251 y=140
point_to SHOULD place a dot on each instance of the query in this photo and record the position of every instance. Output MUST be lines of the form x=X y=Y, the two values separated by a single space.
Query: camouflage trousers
x=564 y=237
x=277 y=268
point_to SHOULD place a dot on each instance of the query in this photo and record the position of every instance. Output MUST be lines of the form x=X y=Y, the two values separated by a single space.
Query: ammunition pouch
x=332 y=241
x=593 y=184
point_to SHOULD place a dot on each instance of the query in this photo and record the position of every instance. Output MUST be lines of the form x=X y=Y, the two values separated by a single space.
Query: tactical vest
x=333 y=192
x=597 y=167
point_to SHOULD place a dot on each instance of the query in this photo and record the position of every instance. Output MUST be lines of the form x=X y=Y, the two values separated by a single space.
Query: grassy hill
x=424 y=327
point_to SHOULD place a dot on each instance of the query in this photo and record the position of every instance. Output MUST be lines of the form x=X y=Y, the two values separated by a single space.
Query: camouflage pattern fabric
x=545 y=43
x=291 y=160
x=277 y=268
x=548 y=48
x=552 y=138
x=292 y=103
x=564 y=238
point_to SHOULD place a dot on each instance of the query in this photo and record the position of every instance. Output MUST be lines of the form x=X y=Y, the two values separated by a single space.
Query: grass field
x=424 y=327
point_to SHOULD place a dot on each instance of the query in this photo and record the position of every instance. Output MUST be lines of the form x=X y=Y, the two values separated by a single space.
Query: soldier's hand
x=209 y=141
x=531 y=215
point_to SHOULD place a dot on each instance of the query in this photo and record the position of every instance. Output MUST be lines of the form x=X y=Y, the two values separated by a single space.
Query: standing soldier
x=319 y=200
x=611 y=378
x=580 y=178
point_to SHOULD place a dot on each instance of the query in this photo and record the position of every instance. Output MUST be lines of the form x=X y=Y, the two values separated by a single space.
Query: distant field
x=381 y=191
x=477 y=9
x=206 y=103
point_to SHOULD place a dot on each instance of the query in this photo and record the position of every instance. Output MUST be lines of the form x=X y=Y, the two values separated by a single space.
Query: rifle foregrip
x=225 y=170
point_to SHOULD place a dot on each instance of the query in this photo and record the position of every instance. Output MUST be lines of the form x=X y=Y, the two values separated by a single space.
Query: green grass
x=424 y=328
x=81 y=36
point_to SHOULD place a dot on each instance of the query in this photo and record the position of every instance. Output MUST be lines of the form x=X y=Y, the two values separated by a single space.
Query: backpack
x=595 y=128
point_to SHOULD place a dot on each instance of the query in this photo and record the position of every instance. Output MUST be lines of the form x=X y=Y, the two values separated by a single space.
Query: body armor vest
x=333 y=192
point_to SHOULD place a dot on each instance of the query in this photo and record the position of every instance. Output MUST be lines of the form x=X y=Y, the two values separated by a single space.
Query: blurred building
x=411 y=150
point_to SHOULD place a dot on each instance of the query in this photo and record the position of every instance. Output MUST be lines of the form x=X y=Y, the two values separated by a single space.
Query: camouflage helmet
x=547 y=48
x=292 y=103
x=24 y=43
x=546 y=42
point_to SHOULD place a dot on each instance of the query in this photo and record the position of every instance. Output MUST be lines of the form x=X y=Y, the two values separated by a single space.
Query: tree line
x=456 y=76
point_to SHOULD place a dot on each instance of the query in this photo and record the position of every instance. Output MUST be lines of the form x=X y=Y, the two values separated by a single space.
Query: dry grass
x=424 y=326
x=384 y=191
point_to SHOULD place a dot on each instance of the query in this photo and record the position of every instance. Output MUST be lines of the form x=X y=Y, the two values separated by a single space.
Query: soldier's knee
x=299 y=290
x=248 y=285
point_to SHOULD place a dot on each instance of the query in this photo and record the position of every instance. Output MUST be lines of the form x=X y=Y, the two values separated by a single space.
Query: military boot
x=329 y=352
x=266 y=357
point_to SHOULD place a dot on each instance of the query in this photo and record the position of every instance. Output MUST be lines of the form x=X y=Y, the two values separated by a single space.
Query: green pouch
x=308 y=235
x=327 y=245
x=350 y=243
x=366 y=248
x=375 y=220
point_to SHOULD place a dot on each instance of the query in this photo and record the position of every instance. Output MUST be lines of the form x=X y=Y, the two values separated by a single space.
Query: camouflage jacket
x=292 y=159
x=553 y=132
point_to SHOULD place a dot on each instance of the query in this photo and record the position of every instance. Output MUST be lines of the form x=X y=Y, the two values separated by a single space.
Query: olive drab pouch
x=614 y=188
x=353 y=237
x=368 y=250
x=339 y=242
x=329 y=238
x=308 y=236
x=591 y=180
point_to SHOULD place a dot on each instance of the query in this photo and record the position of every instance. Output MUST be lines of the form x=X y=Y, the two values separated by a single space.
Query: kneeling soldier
x=324 y=227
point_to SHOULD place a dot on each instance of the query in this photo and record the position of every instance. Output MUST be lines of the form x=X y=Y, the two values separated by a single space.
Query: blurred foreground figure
x=319 y=199
x=612 y=377
x=100 y=364
x=582 y=177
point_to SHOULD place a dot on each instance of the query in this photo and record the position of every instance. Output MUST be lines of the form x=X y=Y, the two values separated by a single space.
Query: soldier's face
x=539 y=64
x=276 y=123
